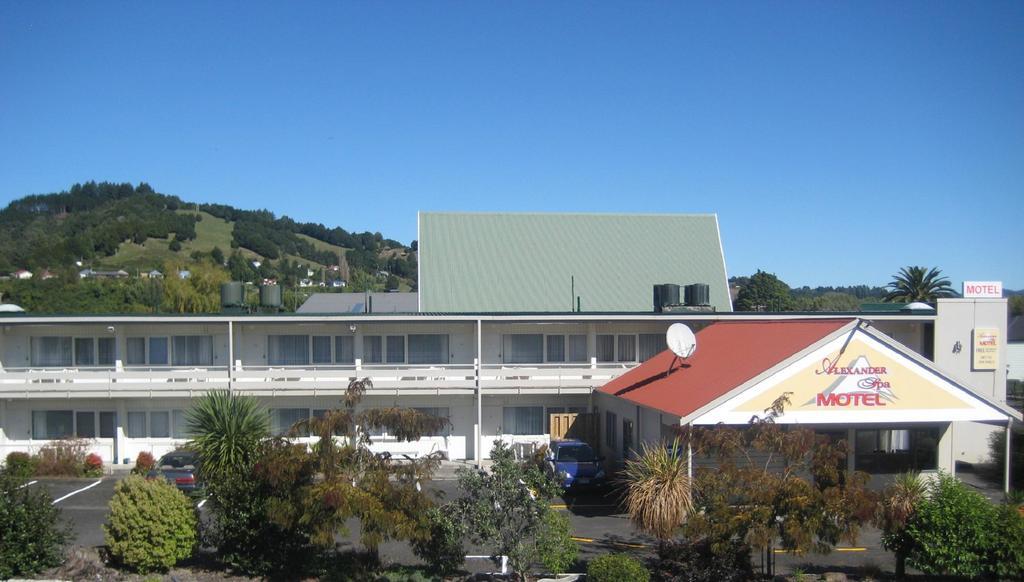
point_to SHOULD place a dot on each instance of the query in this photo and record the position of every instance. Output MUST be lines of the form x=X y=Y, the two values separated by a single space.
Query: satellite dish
x=680 y=340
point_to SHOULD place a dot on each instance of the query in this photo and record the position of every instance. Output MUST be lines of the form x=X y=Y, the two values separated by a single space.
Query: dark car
x=574 y=464
x=178 y=468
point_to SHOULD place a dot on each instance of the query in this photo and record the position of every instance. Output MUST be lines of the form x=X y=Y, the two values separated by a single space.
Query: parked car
x=574 y=464
x=178 y=468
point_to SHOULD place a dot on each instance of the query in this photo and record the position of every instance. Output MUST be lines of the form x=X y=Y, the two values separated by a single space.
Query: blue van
x=574 y=464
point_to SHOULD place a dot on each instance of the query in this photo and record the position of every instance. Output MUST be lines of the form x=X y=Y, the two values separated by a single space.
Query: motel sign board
x=983 y=289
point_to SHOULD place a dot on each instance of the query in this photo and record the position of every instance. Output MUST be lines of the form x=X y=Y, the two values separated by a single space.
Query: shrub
x=615 y=568
x=997 y=454
x=951 y=531
x=442 y=551
x=555 y=545
x=1007 y=556
x=152 y=525
x=93 y=466
x=31 y=535
x=62 y=458
x=20 y=465
x=144 y=463
x=696 y=561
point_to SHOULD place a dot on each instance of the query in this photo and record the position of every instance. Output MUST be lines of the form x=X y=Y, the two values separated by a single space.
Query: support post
x=3 y=421
x=231 y=355
x=689 y=454
x=477 y=365
x=1009 y=439
x=119 y=435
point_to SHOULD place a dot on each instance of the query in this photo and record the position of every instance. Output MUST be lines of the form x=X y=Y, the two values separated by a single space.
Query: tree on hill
x=764 y=292
x=918 y=284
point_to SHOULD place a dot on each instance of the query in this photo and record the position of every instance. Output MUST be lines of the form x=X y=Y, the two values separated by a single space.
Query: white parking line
x=76 y=492
x=201 y=503
x=24 y=485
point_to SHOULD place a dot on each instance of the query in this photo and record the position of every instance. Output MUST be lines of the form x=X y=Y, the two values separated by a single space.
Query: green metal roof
x=498 y=262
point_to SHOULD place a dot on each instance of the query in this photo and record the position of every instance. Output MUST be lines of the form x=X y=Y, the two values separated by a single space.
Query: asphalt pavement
x=599 y=526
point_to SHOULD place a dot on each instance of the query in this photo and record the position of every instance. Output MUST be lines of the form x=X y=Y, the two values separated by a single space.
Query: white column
x=120 y=441
x=478 y=427
x=231 y=355
x=1009 y=439
x=3 y=421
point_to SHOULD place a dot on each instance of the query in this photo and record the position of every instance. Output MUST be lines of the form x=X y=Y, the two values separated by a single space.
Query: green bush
x=20 y=465
x=152 y=525
x=616 y=568
x=1007 y=556
x=697 y=561
x=442 y=551
x=32 y=537
x=62 y=458
x=952 y=530
x=555 y=545
x=997 y=454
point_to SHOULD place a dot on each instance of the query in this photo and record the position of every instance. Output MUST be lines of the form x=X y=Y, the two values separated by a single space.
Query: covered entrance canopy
x=841 y=373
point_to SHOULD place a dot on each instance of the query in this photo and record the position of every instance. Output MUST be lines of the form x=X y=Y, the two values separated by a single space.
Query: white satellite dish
x=680 y=340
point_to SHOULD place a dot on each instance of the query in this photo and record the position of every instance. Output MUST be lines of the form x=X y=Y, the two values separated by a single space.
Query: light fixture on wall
x=352 y=328
x=111 y=329
x=957 y=347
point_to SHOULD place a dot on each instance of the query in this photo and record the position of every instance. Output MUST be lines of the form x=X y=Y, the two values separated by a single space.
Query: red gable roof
x=728 y=354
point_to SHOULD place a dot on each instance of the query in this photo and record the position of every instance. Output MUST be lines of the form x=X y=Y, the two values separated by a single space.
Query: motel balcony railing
x=305 y=380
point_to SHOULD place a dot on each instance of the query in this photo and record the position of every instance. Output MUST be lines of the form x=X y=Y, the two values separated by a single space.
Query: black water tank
x=698 y=294
x=665 y=294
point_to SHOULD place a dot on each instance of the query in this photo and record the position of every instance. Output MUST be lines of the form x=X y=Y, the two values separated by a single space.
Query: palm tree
x=897 y=506
x=226 y=431
x=917 y=284
x=658 y=489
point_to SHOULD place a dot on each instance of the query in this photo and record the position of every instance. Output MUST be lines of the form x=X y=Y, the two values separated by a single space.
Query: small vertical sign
x=986 y=348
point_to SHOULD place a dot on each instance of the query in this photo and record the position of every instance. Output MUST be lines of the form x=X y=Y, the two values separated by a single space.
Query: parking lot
x=598 y=525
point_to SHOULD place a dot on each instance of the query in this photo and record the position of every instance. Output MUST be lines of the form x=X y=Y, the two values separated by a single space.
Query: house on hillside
x=184 y=274
x=22 y=274
x=47 y=275
x=91 y=274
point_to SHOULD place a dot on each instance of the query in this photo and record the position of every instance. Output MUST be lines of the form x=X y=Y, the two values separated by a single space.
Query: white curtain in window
x=321 y=349
x=192 y=350
x=523 y=420
x=136 y=351
x=578 y=348
x=396 y=349
x=179 y=424
x=373 y=352
x=651 y=344
x=158 y=351
x=160 y=424
x=524 y=348
x=52 y=424
x=556 y=348
x=344 y=349
x=282 y=419
x=895 y=440
x=627 y=348
x=51 y=351
x=106 y=349
x=428 y=348
x=605 y=348
x=84 y=355
x=136 y=424
x=287 y=350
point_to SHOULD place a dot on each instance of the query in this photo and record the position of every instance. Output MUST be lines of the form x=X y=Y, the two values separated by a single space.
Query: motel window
x=287 y=350
x=428 y=348
x=556 y=348
x=136 y=425
x=896 y=450
x=179 y=424
x=106 y=351
x=344 y=349
x=523 y=348
x=321 y=413
x=396 y=349
x=282 y=419
x=373 y=351
x=523 y=420
x=627 y=436
x=651 y=344
x=136 y=355
x=51 y=351
x=627 y=348
x=439 y=412
x=610 y=433
x=192 y=350
x=158 y=351
x=52 y=424
x=85 y=424
x=578 y=348
x=160 y=424
x=321 y=349
x=605 y=348
x=84 y=355
x=108 y=424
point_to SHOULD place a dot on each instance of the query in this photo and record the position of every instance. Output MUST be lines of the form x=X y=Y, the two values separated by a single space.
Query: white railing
x=303 y=380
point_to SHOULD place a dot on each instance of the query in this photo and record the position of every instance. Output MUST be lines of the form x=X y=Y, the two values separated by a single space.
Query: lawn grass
x=210 y=232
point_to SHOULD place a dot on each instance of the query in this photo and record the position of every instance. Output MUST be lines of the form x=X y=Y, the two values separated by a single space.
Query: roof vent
x=665 y=294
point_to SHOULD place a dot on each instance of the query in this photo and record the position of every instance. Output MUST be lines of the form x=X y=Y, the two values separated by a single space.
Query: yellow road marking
x=593 y=541
x=833 y=549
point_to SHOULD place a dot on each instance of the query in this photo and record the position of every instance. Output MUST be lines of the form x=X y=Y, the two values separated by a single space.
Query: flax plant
x=897 y=506
x=658 y=492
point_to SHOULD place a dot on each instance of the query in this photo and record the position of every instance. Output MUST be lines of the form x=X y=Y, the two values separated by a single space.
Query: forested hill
x=110 y=226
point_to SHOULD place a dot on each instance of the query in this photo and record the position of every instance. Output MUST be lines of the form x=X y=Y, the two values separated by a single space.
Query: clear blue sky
x=836 y=141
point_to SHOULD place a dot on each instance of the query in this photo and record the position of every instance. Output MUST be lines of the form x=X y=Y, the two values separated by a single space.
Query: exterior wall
x=956 y=322
x=908 y=333
x=492 y=415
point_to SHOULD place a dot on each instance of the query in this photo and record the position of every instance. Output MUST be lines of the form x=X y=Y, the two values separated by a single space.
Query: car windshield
x=178 y=460
x=578 y=453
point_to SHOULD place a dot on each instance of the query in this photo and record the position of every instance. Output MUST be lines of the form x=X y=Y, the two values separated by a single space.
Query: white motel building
x=519 y=317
